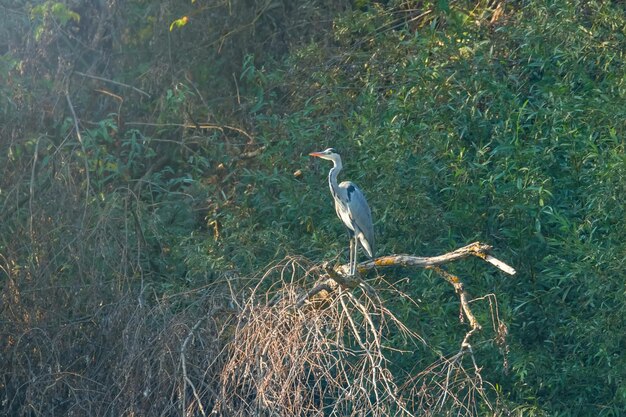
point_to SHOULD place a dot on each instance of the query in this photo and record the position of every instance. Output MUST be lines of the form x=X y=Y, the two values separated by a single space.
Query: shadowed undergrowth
x=213 y=351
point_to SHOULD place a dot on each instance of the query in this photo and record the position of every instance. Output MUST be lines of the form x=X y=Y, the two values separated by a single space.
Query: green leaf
x=179 y=23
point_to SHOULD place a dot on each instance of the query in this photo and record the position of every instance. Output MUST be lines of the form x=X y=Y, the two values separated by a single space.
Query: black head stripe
x=350 y=190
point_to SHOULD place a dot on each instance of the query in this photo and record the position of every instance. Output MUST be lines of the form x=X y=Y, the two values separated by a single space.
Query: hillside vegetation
x=156 y=195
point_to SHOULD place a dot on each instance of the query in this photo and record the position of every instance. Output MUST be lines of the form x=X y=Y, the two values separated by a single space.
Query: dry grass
x=123 y=359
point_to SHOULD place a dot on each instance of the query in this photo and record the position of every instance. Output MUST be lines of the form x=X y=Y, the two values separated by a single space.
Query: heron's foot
x=354 y=272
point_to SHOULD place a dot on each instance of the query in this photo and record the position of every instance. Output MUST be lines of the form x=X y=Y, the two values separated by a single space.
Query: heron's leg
x=352 y=243
x=355 y=255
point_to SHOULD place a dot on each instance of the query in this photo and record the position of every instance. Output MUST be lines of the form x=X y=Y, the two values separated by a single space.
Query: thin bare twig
x=82 y=146
x=186 y=379
x=31 y=189
x=286 y=361
x=193 y=126
x=95 y=77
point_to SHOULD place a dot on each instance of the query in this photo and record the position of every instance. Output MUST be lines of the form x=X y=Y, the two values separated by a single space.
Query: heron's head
x=330 y=154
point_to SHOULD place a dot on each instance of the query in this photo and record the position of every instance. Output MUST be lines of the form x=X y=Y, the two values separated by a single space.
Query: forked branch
x=339 y=276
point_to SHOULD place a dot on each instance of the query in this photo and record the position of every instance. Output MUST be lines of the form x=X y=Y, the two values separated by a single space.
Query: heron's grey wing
x=360 y=212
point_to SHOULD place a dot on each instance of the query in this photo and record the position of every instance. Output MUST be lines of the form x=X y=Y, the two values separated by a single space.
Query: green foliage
x=51 y=10
x=56 y=10
x=460 y=120
x=466 y=133
x=179 y=23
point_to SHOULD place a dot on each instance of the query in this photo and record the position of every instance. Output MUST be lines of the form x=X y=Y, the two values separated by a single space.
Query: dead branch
x=186 y=379
x=447 y=383
x=332 y=280
x=335 y=356
x=459 y=288
x=95 y=77
x=220 y=128
x=478 y=249
x=340 y=276
x=323 y=288
x=82 y=146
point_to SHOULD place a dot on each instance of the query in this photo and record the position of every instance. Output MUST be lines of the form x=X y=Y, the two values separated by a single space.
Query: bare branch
x=473 y=249
x=186 y=379
x=324 y=288
x=82 y=146
x=200 y=126
x=95 y=77
x=446 y=385
x=330 y=360
x=341 y=276
x=333 y=358
x=459 y=288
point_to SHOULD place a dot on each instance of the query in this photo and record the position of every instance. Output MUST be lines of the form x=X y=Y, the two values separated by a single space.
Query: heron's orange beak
x=318 y=154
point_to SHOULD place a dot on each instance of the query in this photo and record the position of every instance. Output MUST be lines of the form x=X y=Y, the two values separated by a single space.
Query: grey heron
x=351 y=207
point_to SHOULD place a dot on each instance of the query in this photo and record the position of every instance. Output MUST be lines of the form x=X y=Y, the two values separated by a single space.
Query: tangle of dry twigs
x=326 y=352
x=285 y=360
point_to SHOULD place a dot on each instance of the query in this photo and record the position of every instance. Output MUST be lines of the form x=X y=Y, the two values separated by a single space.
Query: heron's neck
x=332 y=177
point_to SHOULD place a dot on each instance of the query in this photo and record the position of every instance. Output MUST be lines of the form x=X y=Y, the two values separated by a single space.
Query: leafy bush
x=461 y=121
